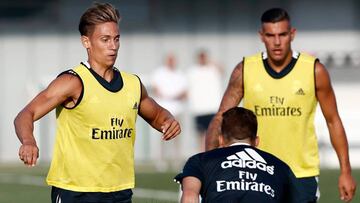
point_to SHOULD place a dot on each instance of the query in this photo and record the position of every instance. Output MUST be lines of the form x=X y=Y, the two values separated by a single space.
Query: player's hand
x=29 y=153
x=170 y=129
x=347 y=187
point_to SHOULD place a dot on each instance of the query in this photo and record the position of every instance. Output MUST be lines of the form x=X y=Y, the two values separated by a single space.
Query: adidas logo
x=248 y=158
x=135 y=105
x=300 y=92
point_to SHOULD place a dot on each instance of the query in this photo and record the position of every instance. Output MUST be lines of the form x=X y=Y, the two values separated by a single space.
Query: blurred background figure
x=205 y=91
x=169 y=86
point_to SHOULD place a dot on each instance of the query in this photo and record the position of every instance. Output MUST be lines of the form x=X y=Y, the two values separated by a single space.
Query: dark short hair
x=97 y=14
x=274 y=15
x=239 y=123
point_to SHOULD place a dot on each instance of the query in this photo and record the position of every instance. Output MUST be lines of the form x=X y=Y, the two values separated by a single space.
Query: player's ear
x=292 y=33
x=221 y=140
x=261 y=34
x=85 y=41
x=257 y=140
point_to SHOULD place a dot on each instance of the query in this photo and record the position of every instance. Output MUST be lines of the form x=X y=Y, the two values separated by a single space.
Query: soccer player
x=282 y=87
x=204 y=93
x=96 y=111
x=238 y=172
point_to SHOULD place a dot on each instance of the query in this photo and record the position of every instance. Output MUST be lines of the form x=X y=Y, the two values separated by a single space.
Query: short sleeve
x=193 y=168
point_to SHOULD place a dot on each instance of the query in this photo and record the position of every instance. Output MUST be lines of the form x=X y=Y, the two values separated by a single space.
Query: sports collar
x=239 y=143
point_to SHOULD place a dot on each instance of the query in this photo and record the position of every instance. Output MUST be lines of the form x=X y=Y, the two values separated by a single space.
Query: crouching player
x=238 y=172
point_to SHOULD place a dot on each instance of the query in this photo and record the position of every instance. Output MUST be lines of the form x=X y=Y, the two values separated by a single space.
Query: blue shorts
x=59 y=195
x=309 y=189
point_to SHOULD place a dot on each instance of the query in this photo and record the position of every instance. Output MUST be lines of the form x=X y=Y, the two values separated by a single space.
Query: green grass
x=15 y=193
x=10 y=192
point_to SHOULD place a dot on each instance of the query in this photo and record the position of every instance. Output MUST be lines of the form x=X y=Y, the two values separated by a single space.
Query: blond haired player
x=96 y=110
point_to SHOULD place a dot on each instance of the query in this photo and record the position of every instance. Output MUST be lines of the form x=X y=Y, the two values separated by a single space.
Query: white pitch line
x=156 y=194
x=22 y=179
x=40 y=181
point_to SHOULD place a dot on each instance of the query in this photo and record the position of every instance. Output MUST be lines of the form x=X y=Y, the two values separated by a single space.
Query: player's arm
x=158 y=117
x=62 y=89
x=327 y=101
x=191 y=190
x=232 y=97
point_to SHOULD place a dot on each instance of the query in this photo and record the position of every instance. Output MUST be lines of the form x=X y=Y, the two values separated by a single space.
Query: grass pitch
x=20 y=184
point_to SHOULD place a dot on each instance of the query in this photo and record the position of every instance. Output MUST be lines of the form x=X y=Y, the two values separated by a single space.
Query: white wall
x=348 y=95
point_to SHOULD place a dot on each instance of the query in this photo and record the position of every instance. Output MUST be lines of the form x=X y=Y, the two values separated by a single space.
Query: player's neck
x=105 y=72
x=278 y=66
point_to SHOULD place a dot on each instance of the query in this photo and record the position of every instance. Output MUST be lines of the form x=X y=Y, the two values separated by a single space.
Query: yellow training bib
x=94 y=148
x=285 y=105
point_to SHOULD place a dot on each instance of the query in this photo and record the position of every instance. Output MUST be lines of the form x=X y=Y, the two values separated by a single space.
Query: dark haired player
x=282 y=87
x=237 y=172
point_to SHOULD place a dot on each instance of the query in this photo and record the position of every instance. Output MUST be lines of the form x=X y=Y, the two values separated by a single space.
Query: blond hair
x=97 y=14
